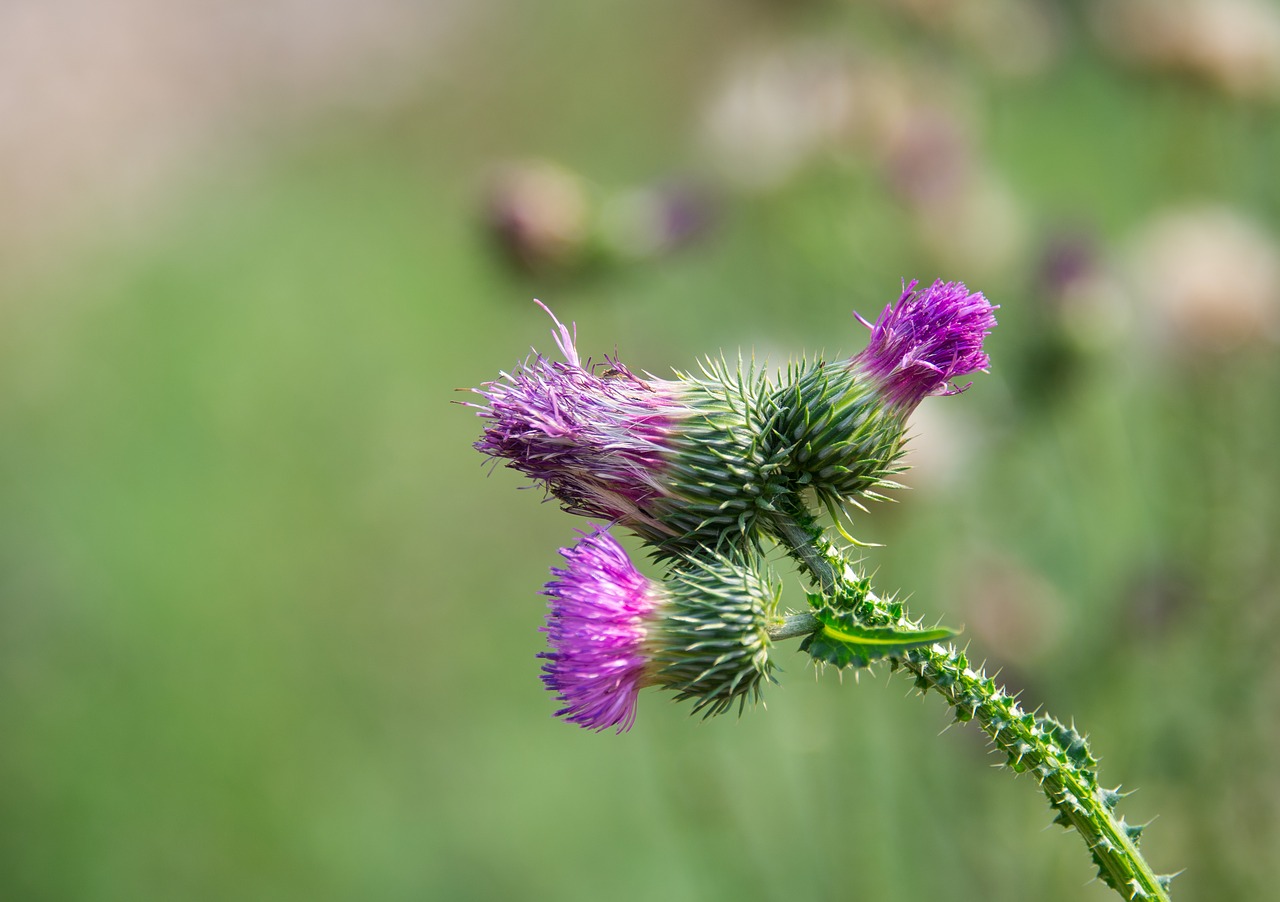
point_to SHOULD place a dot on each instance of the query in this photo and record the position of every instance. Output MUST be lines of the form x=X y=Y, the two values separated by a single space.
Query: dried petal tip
x=596 y=628
x=925 y=340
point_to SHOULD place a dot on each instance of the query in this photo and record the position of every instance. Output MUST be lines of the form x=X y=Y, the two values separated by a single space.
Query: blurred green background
x=267 y=631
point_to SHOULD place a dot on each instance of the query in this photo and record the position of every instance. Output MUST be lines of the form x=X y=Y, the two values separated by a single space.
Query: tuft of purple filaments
x=596 y=628
x=925 y=340
x=595 y=436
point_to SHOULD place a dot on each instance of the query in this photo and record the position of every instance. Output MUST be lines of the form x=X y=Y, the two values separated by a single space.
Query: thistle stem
x=793 y=626
x=1054 y=754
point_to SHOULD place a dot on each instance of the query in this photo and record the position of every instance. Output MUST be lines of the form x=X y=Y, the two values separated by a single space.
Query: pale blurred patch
x=980 y=229
x=779 y=109
x=1207 y=278
x=1232 y=44
x=1012 y=612
x=1016 y=38
x=940 y=447
x=787 y=109
x=104 y=103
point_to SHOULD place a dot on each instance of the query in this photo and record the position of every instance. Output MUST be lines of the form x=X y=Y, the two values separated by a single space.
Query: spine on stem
x=1055 y=755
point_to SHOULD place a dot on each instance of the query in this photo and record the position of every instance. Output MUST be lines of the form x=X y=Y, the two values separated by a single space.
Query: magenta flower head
x=613 y=631
x=842 y=427
x=925 y=340
x=679 y=461
x=601 y=607
x=596 y=437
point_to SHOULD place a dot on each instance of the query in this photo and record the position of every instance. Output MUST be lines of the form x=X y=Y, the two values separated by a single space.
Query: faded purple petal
x=599 y=607
x=595 y=436
x=925 y=340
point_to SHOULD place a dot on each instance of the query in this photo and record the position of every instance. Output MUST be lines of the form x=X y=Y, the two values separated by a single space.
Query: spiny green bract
x=836 y=432
x=817 y=428
x=725 y=476
x=712 y=644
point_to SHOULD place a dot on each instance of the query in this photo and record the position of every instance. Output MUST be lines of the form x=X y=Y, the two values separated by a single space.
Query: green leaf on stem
x=844 y=641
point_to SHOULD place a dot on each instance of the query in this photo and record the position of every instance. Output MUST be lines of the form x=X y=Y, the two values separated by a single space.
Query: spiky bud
x=612 y=631
x=843 y=423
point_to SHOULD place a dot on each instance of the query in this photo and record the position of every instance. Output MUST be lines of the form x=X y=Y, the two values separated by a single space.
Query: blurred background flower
x=267 y=631
x=1208 y=279
x=1232 y=45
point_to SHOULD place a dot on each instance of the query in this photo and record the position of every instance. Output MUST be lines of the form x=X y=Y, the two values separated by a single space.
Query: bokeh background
x=268 y=626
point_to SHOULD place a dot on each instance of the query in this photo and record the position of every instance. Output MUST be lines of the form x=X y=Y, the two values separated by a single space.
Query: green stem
x=1034 y=743
x=793 y=626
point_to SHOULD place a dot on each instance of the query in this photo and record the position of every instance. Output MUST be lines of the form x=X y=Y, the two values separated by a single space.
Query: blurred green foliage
x=268 y=632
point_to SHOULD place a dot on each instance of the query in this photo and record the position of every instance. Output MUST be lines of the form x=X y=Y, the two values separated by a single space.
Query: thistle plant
x=711 y=471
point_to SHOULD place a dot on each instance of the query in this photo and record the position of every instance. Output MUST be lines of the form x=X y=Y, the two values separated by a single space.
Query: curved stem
x=1056 y=755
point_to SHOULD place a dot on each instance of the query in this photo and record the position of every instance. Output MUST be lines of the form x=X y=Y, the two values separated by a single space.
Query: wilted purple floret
x=596 y=628
x=925 y=340
x=595 y=436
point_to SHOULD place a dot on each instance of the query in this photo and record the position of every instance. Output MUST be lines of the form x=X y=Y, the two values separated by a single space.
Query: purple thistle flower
x=701 y=634
x=596 y=436
x=925 y=340
x=600 y=605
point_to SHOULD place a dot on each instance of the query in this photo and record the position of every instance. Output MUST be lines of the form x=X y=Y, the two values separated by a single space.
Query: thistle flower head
x=600 y=608
x=595 y=436
x=925 y=340
x=701 y=633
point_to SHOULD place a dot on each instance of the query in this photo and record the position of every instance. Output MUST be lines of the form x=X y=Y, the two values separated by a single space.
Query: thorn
x=1133 y=831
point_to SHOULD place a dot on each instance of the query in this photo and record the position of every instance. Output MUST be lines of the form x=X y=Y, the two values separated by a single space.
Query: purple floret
x=599 y=607
x=595 y=436
x=925 y=340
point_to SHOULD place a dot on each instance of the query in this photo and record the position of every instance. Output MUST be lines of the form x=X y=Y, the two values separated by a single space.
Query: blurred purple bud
x=660 y=219
x=538 y=214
